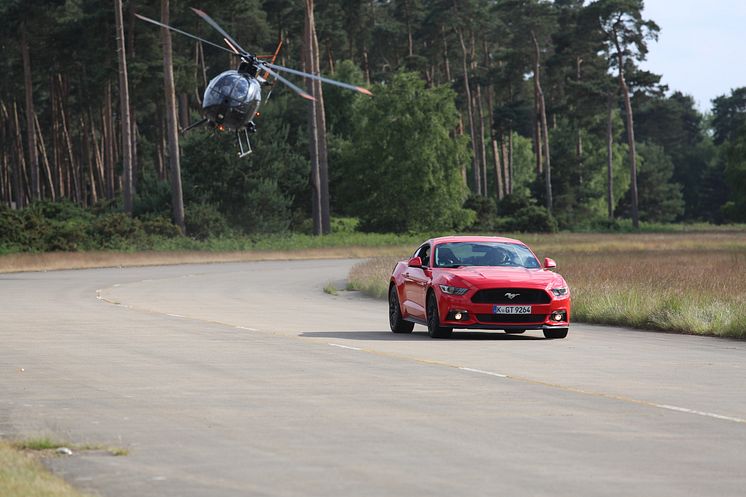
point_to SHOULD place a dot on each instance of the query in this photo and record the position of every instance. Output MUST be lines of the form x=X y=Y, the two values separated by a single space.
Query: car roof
x=472 y=238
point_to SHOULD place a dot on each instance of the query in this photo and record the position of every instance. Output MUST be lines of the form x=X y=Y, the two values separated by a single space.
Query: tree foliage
x=455 y=114
x=404 y=168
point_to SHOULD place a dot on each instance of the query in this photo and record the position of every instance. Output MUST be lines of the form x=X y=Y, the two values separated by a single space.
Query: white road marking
x=245 y=328
x=490 y=373
x=344 y=346
x=641 y=402
x=700 y=413
x=472 y=370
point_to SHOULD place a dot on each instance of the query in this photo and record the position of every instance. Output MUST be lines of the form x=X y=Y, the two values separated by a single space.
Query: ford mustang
x=478 y=282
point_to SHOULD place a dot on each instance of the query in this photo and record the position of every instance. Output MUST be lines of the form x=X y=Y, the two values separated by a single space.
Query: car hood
x=490 y=277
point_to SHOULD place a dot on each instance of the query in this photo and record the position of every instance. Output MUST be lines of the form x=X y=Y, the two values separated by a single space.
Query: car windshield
x=457 y=254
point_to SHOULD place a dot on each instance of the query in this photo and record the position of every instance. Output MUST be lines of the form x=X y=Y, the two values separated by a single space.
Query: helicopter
x=232 y=98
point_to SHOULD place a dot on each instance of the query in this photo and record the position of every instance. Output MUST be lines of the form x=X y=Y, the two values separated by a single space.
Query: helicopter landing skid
x=244 y=145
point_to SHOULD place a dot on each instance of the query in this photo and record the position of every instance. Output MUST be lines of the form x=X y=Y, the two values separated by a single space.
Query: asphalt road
x=248 y=380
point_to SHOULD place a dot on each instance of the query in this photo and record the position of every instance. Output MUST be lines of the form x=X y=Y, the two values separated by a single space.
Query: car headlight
x=453 y=290
x=559 y=292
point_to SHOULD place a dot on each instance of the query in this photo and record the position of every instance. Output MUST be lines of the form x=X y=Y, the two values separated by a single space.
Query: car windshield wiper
x=450 y=266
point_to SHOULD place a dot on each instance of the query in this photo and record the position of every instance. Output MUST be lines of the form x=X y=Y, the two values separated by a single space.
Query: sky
x=701 y=49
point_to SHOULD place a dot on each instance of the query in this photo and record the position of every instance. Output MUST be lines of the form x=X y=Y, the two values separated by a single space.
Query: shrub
x=63 y=210
x=116 y=230
x=344 y=224
x=69 y=236
x=533 y=219
x=35 y=229
x=204 y=221
x=160 y=226
x=486 y=212
x=11 y=227
x=510 y=204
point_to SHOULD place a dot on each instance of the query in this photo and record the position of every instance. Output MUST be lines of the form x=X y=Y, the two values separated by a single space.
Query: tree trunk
x=630 y=139
x=72 y=170
x=177 y=198
x=124 y=109
x=183 y=109
x=91 y=194
x=475 y=164
x=544 y=128
x=201 y=71
x=98 y=155
x=20 y=164
x=108 y=138
x=5 y=189
x=578 y=134
x=313 y=141
x=610 y=157
x=326 y=225
x=366 y=65
x=410 y=37
x=446 y=63
x=480 y=137
x=509 y=179
x=33 y=158
x=45 y=160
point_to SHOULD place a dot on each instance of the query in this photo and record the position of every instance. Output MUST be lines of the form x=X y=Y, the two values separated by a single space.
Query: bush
x=116 y=230
x=204 y=221
x=344 y=224
x=68 y=236
x=160 y=226
x=11 y=228
x=63 y=210
x=510 y=204
x=486 y=212
x=532 y=219
x=35 y=229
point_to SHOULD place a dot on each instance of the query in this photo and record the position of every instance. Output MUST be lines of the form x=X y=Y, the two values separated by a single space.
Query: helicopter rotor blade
x=220 y=30
x=146 y=19
x=295 y=88
x=235 y=50
x=320 y=78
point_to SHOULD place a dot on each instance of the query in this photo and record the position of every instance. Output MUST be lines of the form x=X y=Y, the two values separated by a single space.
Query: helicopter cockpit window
x=241 y=90
x=222 y=88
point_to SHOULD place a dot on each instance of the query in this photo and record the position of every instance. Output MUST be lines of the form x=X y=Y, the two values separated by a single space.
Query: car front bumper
x=460 y=312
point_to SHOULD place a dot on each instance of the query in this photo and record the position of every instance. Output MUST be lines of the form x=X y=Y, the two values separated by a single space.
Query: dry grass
x=51 y=261
x=689 y=283
x=21 y=475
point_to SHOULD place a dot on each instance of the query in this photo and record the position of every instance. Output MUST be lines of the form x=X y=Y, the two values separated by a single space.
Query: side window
x=424 y=254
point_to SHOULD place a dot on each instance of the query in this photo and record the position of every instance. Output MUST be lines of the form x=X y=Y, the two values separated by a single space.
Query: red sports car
x=478 y=282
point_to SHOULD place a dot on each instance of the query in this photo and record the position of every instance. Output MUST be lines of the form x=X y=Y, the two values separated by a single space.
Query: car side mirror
x=415 y=262
x=549 y=263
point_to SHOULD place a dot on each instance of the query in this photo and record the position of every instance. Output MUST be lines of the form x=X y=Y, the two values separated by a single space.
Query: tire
x=434 y=329
x=396 y=321
x=556 y=333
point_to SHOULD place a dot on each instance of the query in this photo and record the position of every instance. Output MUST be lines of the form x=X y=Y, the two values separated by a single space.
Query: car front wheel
x=556 y=333
x=396 y=321
x=434 y=329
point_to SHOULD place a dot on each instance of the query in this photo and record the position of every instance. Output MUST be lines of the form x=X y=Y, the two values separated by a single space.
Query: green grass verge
x=41 y=444
x=22 y=475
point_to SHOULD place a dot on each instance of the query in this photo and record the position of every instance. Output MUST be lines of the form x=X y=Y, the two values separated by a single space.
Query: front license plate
x=511 y=309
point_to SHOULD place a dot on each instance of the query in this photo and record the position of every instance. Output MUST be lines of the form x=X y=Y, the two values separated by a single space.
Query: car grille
x=512 y=318
x=524 y=296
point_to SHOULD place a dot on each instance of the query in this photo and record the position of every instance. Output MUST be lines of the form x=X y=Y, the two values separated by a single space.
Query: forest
x=486 y=115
